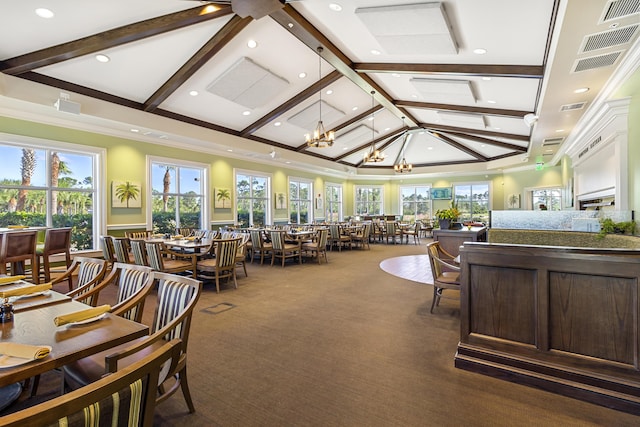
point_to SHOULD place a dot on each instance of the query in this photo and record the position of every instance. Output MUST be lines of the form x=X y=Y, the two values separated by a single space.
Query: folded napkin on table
x=24 y=351
x=10 y=279
x=191 y=238
x=81 y=315
x=26 y=290
x=158 y=235
x=177 y=236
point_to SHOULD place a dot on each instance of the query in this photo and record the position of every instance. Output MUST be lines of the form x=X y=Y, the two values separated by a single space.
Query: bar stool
x=16 y=248
x=56 y=241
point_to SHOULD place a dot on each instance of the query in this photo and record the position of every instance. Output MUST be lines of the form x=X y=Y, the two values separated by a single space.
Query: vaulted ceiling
x=443 y=84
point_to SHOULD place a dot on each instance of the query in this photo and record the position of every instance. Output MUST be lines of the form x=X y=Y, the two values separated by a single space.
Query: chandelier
x=320 y=137
x=403 y=166
x=374 y=155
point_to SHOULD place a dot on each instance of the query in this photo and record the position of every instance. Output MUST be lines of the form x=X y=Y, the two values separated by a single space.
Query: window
x=333 y=207
x=300 y=201
x=51 y=184
x=369 y=200
x=472 y=201
x=178 y=195
x=253 y=200
x=546 y=199
x=416 y=203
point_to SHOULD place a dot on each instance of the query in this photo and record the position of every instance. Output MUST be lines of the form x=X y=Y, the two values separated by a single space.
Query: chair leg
x=182 y=375
x=436 y=297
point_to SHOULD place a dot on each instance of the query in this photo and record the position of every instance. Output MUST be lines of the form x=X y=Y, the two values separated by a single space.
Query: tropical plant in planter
x=608 y=226
x=447 y=216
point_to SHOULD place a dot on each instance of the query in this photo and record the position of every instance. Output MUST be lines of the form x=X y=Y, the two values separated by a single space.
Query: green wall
x=126 y=160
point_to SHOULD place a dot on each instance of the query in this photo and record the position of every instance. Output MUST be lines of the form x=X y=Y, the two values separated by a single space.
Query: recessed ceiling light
x=135 y=130
x=414 y=96
x=480 y=51
x=429 y=148
x=102 y=58
x=559 y=130
x=581 y=90
x=335 y=7
x=354 y=108
x=277 y=124
x=44 y=13
x=345 y=148
x=483 y=145
x=497 y=128
x=491 y=101
x=386 y=129
x=287 y=162
x=252 y=44
x=375 y=52
x=302 y=75
x=329 y=92
x=614 y=25
x=395 y=75
x=230 y=150
x=486 y=79
x=193 y=93
x=370 y=119
x=246 y=113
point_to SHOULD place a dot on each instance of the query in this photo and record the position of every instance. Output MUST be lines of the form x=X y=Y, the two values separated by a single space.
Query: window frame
x=268 y=199
x=328 y=202
x=98 y=166
x=204 y=185
x=472 y=184
x=368 y=187
x=292 y=201
x=415 y=186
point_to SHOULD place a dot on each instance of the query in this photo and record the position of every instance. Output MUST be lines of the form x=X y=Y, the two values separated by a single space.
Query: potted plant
x=609 y=226
x=446 y=217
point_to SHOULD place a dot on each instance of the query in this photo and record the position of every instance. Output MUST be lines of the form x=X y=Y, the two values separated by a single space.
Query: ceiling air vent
x=616 y=9
x=596 y=62
x=571 y=107
x=607 y=39
x=547 y=142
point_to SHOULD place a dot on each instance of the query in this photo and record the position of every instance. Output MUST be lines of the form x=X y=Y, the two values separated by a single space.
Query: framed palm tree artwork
x=222 y=198
x=126 y=194
x=280 y=200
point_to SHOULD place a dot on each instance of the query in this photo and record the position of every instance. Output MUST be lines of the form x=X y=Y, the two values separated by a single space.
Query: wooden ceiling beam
x=108 y=39
x=197 y=61
x=463 y=109
x=292 y=21
x=487 y=141
x=467 y=131
x=484 y=70
x=457 y=145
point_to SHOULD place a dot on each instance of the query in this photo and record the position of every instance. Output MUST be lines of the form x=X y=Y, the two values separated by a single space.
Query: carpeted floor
x=346 y=344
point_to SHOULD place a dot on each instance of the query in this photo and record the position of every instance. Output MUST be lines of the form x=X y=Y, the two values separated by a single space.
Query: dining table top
x=27 y=302
x=68 y=342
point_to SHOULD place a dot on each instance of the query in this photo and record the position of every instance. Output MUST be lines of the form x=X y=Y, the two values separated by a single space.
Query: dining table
x=183 y=243
x=35 y=326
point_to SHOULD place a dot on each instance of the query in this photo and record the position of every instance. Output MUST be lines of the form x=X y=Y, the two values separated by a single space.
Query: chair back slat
x=175 y=295
x=277 y=239
x=121 y=250
x=226 y=251
x=154 y=256
x=108 y=251
x=139 y=252
x=131 y=280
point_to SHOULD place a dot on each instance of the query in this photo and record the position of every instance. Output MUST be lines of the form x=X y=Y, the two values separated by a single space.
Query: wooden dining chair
x=336 y=238
x=56 y=241
x=90 y=272
x=446 y=274
x=16 y=248
x=222 y=264
x=121 y=250
x=138 y=234
x=127 y=397
x=177 y=298
x=259 y=247
x=318 y=245
x=139 y=252
x=163 y=259
x=282 y=249
x=108 y=250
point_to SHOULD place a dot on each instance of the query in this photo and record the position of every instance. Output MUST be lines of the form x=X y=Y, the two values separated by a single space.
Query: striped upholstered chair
x=90 y=272
x=222 y=264
x=121 y=250
x=177 y=297
x=139 y=252
x=282 y=249
x=126 y=397
x=167 y=261
x=108 y=250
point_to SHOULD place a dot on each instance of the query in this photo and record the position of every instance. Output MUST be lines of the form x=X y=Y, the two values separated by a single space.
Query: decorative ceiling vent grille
x=596 y=62
x=608 y=38
x=551 y=141
x=570 y=107
x=308 y=118
x=356 y=135
x=248 y=84
x=616 y=9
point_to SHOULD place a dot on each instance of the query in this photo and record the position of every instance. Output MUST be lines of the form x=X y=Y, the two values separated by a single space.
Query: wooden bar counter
x=451 y=240
x=563 y=319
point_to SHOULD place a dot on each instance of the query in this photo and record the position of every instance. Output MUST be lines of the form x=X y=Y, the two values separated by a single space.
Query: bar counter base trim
x=578 y=385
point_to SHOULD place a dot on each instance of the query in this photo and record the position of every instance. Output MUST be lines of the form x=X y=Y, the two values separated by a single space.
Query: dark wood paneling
x=563 y=319
x=593 y=315
x=503 y=303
